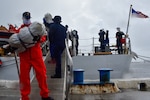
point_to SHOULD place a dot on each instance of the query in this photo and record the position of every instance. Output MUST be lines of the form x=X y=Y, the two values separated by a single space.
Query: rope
x=144 y=58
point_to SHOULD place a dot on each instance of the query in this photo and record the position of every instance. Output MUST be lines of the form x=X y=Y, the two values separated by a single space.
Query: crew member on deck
x=119 y=35
x=101 y=40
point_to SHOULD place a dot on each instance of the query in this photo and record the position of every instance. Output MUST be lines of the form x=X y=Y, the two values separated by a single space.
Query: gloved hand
x=36 y=38
x=6 y=46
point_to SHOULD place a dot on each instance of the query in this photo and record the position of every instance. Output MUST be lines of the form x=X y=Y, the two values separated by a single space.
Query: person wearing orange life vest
x=32 y=57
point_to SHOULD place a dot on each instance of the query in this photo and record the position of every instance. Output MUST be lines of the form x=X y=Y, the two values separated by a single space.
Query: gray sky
x=87 y=17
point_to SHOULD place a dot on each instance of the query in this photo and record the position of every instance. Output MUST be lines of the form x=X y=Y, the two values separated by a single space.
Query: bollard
x=104 y=74
x=78 y=76
x=82 y=54
x=142 y=86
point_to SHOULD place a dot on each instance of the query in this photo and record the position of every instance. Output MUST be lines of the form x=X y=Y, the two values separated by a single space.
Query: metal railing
x=93 y=44
x=68 y=72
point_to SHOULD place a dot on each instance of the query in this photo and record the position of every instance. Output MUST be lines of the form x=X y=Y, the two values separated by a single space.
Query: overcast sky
x=87 y=17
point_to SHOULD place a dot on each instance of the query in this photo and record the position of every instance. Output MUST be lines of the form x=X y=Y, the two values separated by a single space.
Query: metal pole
x=128 y=28
x=129 y=19
x=93 y=44
x=17 y=64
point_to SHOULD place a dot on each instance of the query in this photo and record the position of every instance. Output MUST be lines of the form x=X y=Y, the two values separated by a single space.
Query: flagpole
x=129 y=19
x=126 y=51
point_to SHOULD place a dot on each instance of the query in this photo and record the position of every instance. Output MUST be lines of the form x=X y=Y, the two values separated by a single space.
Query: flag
x=138 y=14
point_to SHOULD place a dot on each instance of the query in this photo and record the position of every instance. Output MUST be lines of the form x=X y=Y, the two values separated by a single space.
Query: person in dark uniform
x=101 y=40
x=48 y=21
x=107 y=38
x=77 y=41
x=119 y=35
x=57 y=36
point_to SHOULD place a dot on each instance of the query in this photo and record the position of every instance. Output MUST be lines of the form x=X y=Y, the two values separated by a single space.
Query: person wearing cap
x=26 y=16
x=57 y=35
x=119 y=35
x=101 y=39
x=32 y=57
x=26 y=22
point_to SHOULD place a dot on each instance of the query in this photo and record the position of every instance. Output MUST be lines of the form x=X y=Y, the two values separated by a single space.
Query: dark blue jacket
x=57 y=34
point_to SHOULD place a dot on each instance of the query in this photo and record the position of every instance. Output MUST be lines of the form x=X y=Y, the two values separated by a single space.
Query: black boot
x=56 y=76
x=48 y=98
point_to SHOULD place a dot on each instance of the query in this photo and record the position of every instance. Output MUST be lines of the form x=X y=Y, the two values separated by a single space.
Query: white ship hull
x=118 y=63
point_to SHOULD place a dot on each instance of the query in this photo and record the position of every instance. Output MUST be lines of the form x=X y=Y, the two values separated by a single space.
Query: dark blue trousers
x=57 y=55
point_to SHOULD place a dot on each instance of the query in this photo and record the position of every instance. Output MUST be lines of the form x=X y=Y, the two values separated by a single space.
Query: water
x=138 y=70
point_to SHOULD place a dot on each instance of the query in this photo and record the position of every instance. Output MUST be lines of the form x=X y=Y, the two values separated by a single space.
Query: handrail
x=68 y=71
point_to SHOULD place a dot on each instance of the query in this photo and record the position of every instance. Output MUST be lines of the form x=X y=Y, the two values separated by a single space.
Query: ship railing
x=93 y=45
x=68 y=71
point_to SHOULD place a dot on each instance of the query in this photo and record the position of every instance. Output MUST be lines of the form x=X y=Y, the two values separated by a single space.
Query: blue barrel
x=104 y=74
x=78 y=76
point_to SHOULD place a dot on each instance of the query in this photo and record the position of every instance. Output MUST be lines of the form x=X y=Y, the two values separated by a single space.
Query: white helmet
x=48 y=18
